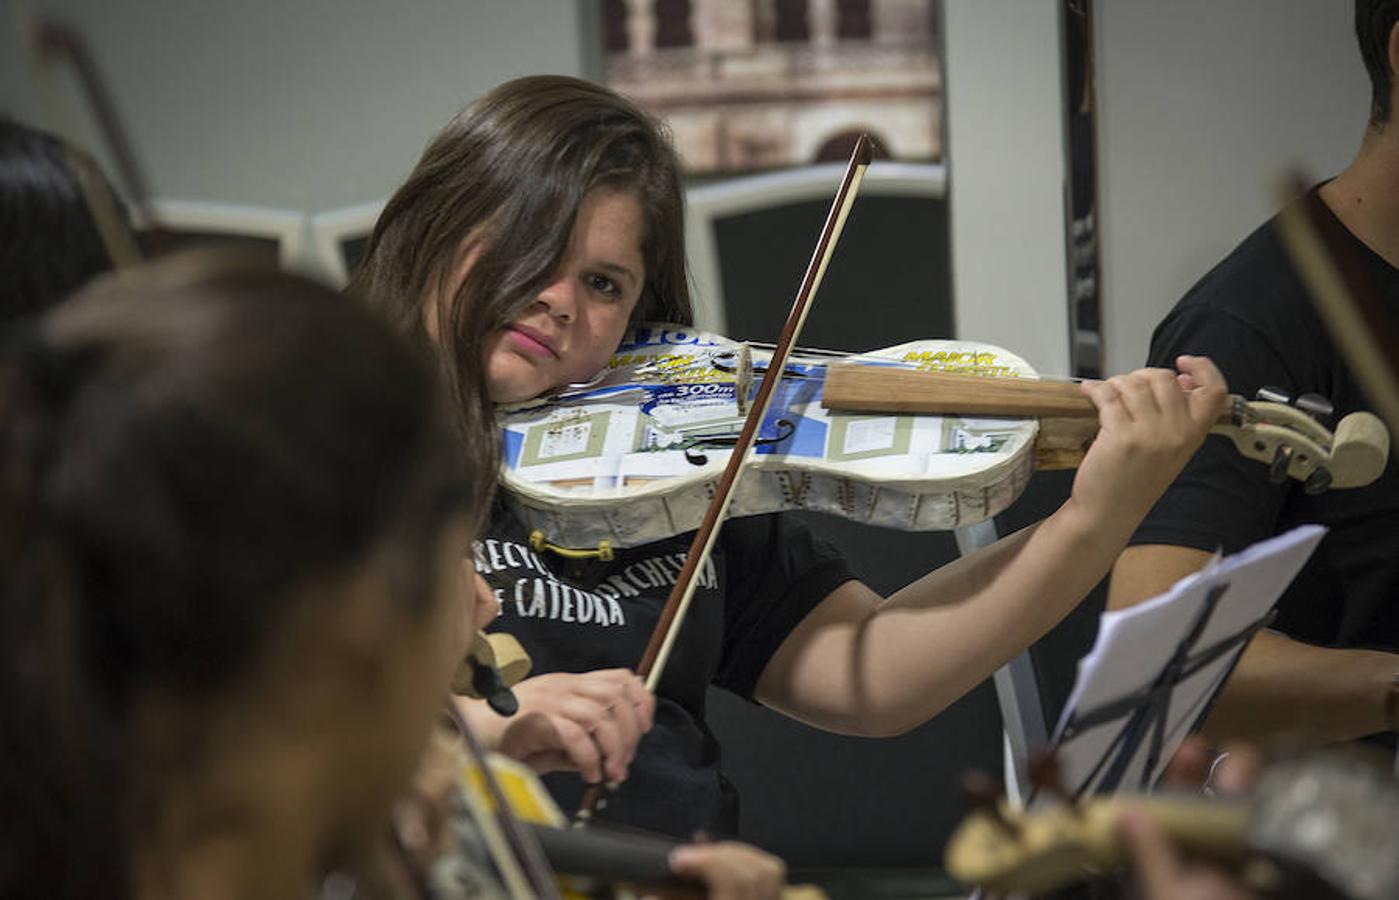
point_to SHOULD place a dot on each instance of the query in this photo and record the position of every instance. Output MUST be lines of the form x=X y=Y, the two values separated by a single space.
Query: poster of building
x=759 y=84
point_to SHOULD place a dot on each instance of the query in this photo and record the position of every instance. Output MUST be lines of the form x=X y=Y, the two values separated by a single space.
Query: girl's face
x=575 y=323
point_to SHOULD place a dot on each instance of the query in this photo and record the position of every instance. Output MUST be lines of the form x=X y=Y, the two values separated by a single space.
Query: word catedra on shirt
x=543 y=596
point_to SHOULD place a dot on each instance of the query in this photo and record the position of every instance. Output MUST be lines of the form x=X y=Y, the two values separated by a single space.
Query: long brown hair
x=504 y=179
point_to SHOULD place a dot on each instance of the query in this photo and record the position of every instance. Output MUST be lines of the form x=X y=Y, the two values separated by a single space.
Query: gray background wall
x=308 y=105
x=321 y=104
x=1005 y=176
x=1203 y=104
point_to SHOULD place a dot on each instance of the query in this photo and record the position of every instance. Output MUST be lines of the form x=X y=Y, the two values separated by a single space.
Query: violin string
x=526 y=848
x=48 y=41
x=905 y=364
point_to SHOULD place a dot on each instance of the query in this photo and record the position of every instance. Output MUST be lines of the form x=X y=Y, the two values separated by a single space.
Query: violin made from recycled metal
x=927 y=435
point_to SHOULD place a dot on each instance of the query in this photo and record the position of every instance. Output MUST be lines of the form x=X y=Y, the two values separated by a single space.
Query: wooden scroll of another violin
x=1319 y=826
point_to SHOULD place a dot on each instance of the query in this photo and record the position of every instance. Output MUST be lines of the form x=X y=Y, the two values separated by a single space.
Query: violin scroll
x=1294 y=445
x=1010 y=851
x=1315 y=826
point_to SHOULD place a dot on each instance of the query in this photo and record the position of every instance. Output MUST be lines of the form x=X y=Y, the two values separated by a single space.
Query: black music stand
x=1109 y=740
x=1144 y=712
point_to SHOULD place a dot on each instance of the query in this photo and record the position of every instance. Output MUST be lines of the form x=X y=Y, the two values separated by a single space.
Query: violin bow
x=1363 y=329
x=51 y=40
x=526 y=873
x=653 y=661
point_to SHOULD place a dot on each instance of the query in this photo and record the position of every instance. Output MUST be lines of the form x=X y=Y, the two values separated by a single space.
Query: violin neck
x=887 y=389
x=1068 y=420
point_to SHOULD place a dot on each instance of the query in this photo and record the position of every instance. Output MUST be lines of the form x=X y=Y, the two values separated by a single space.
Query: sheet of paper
x=1135 y=645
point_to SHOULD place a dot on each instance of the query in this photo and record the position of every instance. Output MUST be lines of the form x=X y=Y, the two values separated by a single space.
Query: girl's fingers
x=1139 y=395
x=641 y=700
x=615 y=752
x=1111 y=411
x=1169 y=398
x=583 y=754
x=628 y=723
x=615 y=749
x=1210 y=397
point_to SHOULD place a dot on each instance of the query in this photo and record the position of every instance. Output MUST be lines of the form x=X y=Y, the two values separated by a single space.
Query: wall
x=1202 y=107
x=310 y=105
x=326 y=103
x=1005 y=163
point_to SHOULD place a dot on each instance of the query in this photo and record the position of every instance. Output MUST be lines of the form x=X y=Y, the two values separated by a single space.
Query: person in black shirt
x=538 y=224
x=1327 y=672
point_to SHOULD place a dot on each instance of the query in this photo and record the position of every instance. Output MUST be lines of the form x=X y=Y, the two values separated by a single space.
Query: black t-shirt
x=1253 y=317
x=765 y=575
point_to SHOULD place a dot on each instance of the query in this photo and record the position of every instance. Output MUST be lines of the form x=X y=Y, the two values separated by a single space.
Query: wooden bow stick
x=658 y=649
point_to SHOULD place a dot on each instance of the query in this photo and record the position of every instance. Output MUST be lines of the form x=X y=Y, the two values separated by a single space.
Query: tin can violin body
x=634 y=456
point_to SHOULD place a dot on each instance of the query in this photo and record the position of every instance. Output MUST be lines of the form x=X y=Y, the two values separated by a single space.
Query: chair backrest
x=280 y=234
x=750 y=239
x=339 y=238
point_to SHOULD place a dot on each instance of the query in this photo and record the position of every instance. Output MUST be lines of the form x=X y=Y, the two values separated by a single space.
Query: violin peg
x=1317 y=482
x=983 y=794
x=1316 y=406
x=980 y=789
x=1043 y=770
x=1277 y=469
x=1044 y=773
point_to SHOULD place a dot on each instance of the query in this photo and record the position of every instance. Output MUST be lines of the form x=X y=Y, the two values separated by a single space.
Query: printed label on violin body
x=988 y=363
x=633 y=456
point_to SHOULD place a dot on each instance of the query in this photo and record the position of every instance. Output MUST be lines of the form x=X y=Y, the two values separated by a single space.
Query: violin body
x=635 y=456
x=927 y=435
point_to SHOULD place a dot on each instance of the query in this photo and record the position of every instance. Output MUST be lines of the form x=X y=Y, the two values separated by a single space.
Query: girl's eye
x=602 y=284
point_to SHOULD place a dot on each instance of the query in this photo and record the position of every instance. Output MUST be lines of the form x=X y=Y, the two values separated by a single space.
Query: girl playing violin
x=232 y=515
x=538 y=224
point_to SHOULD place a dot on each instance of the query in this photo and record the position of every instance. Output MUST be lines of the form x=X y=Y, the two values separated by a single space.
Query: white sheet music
x=1134 y=645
